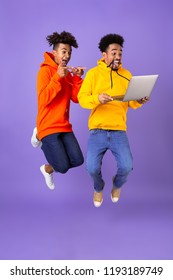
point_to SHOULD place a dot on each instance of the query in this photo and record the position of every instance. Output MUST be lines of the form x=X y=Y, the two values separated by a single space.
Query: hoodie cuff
x=135 y=104
x=77 y=78
x=96 y=100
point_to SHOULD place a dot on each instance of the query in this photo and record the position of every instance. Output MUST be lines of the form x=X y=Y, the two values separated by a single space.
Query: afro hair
x=110 y=39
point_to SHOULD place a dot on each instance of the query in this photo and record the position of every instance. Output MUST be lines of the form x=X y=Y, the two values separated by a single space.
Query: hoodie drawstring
x=111 y=79
x=118 y=75
x=122 y=76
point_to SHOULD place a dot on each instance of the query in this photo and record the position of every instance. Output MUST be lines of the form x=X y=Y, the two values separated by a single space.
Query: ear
x=104 y=54
x=54 y=52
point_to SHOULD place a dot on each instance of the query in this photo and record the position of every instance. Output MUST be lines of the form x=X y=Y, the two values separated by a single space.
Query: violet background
x=36 y=223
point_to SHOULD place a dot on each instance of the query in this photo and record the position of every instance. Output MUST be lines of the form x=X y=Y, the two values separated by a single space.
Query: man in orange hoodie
x=57 y=85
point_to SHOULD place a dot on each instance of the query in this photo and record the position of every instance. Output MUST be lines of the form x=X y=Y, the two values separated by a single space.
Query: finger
x=107 y=97
x=76 y=68
x=81 y=68
x=70 y=67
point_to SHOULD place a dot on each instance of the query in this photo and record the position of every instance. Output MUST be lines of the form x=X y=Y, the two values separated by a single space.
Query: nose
x=117 y=56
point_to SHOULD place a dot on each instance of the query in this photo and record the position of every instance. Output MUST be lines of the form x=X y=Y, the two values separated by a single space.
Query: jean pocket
x=93 y=131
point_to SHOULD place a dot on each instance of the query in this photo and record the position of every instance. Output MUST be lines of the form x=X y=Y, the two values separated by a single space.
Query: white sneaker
x=34 y=141
x=48 y=177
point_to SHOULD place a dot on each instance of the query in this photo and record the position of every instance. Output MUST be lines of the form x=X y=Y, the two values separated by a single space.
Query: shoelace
x=97 y=197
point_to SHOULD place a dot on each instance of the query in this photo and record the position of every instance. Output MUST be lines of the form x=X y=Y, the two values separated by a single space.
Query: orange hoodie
x=54 y=95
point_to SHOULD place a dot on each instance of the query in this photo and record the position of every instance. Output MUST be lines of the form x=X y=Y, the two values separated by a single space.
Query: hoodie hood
x=101 y=63
x=49 y=60
x=113 y=73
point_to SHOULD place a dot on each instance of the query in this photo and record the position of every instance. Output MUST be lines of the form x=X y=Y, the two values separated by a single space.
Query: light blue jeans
x=117 y=142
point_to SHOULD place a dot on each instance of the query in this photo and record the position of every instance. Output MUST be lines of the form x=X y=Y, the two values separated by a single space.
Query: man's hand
x=143 y=100
x=62 y=70
x=104 y=98
x=78 y=71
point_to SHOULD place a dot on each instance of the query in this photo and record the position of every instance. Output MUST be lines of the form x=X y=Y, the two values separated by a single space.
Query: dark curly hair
x=64 y=38
x=110 y=39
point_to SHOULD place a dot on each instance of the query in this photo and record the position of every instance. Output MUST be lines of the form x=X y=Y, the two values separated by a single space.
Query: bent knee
x=80 y=162
x=60 y=169
x=77 y=162
x=93 y=170
x=126 y=169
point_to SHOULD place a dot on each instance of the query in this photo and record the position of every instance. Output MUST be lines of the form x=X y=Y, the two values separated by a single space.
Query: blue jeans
x=117 y=142
x=62 y=151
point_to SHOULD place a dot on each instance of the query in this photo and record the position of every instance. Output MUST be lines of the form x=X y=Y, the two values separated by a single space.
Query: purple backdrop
x=37 y=223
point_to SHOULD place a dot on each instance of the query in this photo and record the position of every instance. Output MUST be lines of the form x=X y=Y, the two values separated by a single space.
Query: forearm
x=88 y=101
x=77 y=82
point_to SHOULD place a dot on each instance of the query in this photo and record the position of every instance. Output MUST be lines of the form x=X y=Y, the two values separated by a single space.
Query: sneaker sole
x=99 y=203
x=114 y=199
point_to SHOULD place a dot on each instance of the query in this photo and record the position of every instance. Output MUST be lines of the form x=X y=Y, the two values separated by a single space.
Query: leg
x=55 y=152
x=97 y=146
x=72 y=148
x=121 y=151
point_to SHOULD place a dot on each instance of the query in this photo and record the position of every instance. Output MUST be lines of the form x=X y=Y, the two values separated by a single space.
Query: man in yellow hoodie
x=57 y=85
x=107 y=121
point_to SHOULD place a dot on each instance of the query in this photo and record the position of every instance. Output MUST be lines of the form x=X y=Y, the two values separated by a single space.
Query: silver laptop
x=139 y=87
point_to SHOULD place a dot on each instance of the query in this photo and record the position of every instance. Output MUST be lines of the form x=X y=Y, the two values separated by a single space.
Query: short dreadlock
x=64 y=38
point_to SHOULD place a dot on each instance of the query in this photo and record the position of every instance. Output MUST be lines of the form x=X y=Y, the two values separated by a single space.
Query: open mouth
x=115 y=64
x=64 y=62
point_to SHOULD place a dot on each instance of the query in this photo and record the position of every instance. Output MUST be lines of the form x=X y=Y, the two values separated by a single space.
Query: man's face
x=113 y=56
x=62 y=54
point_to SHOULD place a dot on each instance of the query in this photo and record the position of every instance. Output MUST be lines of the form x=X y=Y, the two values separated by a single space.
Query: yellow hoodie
x=101 y=79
